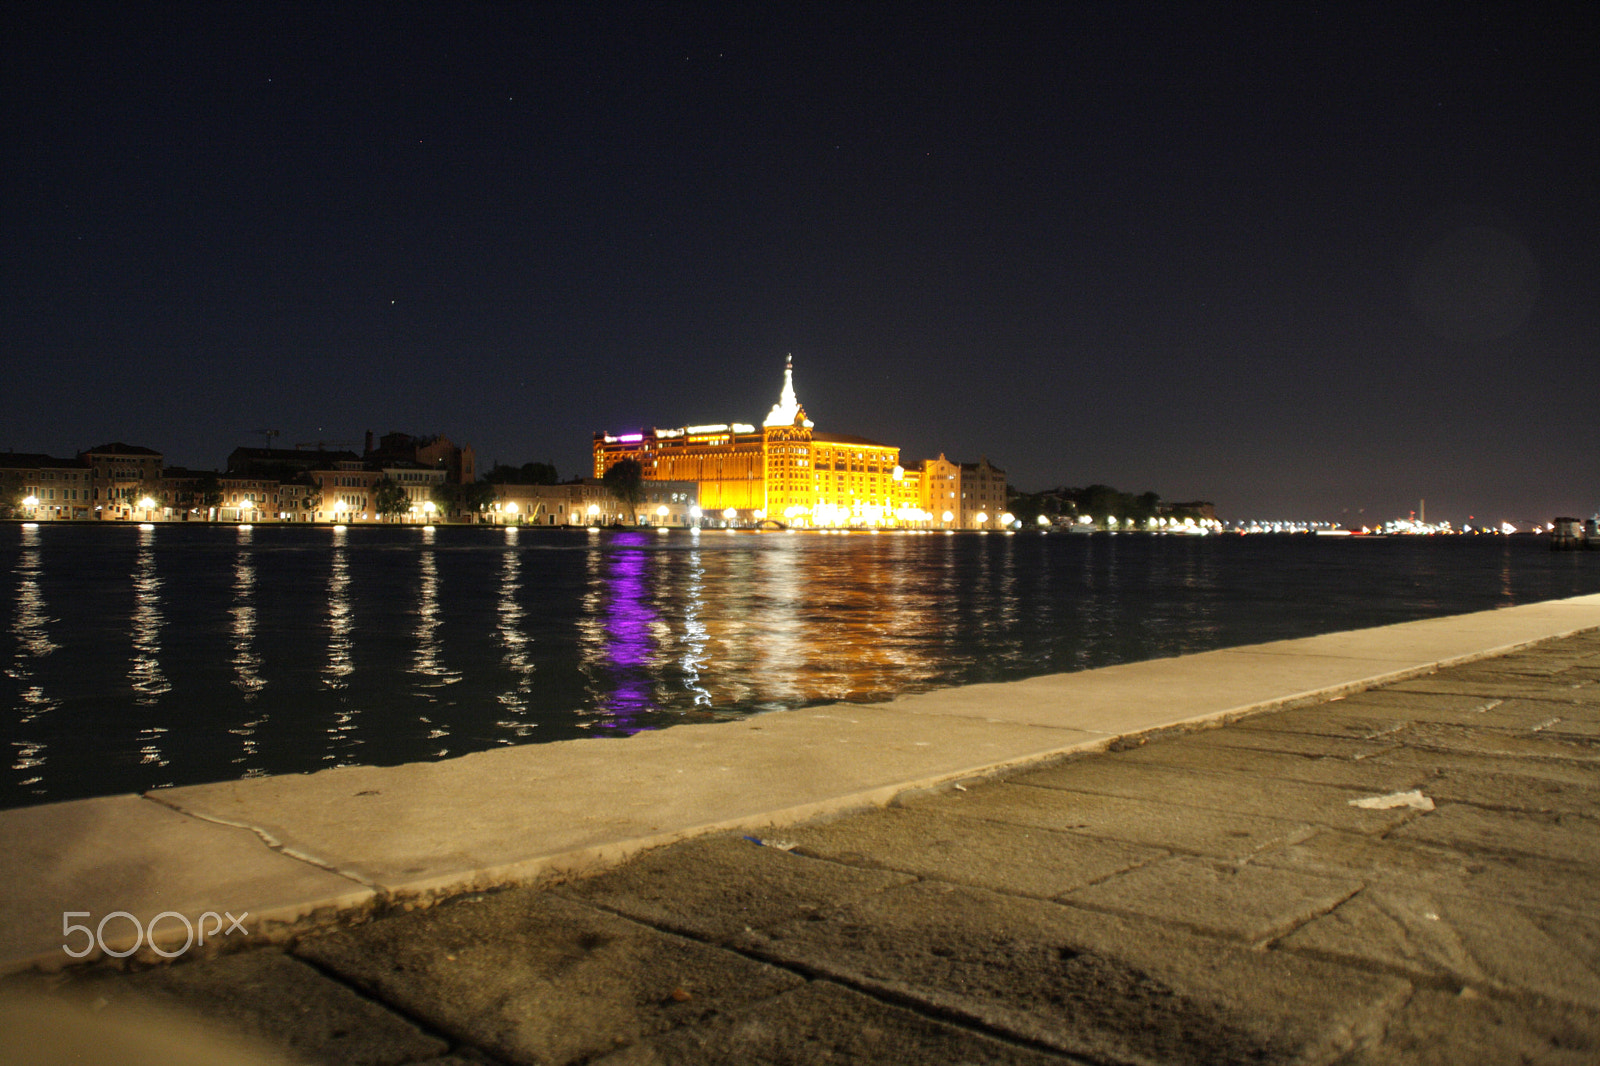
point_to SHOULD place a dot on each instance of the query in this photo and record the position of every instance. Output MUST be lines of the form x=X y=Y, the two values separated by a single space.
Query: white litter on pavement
x=1414 y=798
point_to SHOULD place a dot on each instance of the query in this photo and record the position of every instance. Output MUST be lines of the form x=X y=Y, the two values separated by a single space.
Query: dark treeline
x=1100 y=502
x=526 y=474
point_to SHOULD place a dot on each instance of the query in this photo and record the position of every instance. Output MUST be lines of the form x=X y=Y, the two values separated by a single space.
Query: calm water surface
x=141 y=658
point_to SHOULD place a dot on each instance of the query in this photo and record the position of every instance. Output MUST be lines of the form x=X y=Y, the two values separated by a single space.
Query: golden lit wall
x=729 y=467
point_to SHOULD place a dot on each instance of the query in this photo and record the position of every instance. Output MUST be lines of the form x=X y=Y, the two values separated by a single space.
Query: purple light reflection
x=628 y=621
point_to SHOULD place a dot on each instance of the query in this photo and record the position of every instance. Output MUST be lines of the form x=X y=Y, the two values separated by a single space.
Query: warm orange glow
x=810 y=478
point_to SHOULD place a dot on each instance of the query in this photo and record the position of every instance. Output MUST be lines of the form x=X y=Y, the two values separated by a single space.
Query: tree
x=451 y=498
x=526 y=474
x=310 y=495
x=1145 y=506
x=389 y=499
x=209 y=491
x=625 y=482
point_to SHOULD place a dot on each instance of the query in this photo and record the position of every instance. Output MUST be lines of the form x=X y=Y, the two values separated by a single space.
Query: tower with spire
x=787 y=411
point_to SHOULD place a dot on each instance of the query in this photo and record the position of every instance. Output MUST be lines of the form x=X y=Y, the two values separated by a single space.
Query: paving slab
x=41 y=1031
x=274 y=1000
x=517 y=814
x=1471 y=830
x=97 y=857
x=1332 y=720
x=534 y=978
x=1260 y=736
x=1388 y=704
x=1027 y=861
x=716 y=887
x=1511 y=714
x=1450 y=1028
x=1152 y=823
x=1438 y=759
x=1520 y=880
x=1091 y=984
x=1374 y=772
x=826 y=1023
x=1559 y=690
x=1268 y=797
x=1510 y=790
x=1240 y=900
x=1460 y=942
x=1528 y=744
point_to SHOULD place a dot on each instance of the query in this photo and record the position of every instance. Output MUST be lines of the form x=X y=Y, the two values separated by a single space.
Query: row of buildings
x=126 y=482
x=784 y=473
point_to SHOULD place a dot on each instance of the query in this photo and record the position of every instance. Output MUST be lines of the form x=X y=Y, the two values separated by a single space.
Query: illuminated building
x=966 y=491
x=790 y=473
x=588 y=503
x=121 y=475
x=59 y=487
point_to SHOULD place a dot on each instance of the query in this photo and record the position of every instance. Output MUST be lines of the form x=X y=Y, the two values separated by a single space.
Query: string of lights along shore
x=787 y=472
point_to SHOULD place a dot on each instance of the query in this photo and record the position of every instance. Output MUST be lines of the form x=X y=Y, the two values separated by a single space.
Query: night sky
x=1314 y=263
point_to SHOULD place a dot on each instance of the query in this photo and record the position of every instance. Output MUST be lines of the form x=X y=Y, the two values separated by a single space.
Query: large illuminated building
x=788 y=472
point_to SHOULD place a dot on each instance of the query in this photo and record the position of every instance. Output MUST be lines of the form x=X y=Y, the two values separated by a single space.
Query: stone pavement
x=1407 y=874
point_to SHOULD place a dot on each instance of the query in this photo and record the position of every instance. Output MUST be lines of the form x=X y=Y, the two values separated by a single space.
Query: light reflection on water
x=515 y=699
x=185 y=654
x=30 y=625
x=246 y=660
x=341 y=738
x=144 y=671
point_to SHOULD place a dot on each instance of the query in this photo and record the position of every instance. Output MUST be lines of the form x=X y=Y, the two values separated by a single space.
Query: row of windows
x=62 y=475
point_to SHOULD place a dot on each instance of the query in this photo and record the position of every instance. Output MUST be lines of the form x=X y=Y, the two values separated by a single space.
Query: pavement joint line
x=266 y=838
x=453 y=1041
x=885 y=992
x=869 y=988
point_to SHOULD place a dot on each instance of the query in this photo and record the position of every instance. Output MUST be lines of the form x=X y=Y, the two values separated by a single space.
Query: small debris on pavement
x=1414 y=798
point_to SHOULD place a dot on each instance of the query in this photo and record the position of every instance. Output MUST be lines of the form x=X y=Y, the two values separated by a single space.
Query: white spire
x=787 y=409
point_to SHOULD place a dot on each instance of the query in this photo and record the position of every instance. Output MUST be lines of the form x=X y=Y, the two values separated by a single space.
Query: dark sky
x=1301 y=263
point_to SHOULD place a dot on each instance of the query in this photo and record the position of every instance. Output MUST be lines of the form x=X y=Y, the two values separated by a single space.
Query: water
x=141 y=658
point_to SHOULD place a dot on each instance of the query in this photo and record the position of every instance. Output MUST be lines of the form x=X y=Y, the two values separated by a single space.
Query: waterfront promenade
x=1385 y=851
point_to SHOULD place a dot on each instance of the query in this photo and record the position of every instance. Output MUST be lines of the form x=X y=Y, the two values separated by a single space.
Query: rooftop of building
x=845 y=438
x=36 y=461
x=119 y=448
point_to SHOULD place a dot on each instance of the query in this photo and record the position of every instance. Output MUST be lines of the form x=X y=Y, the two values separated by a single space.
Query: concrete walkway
x=1374 y=879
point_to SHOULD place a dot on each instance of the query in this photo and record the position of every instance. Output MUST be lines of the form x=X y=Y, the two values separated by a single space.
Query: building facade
x=43 y=488
x=589 y=503
x=789 y=473
x=121 y=478
x=967 y=495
